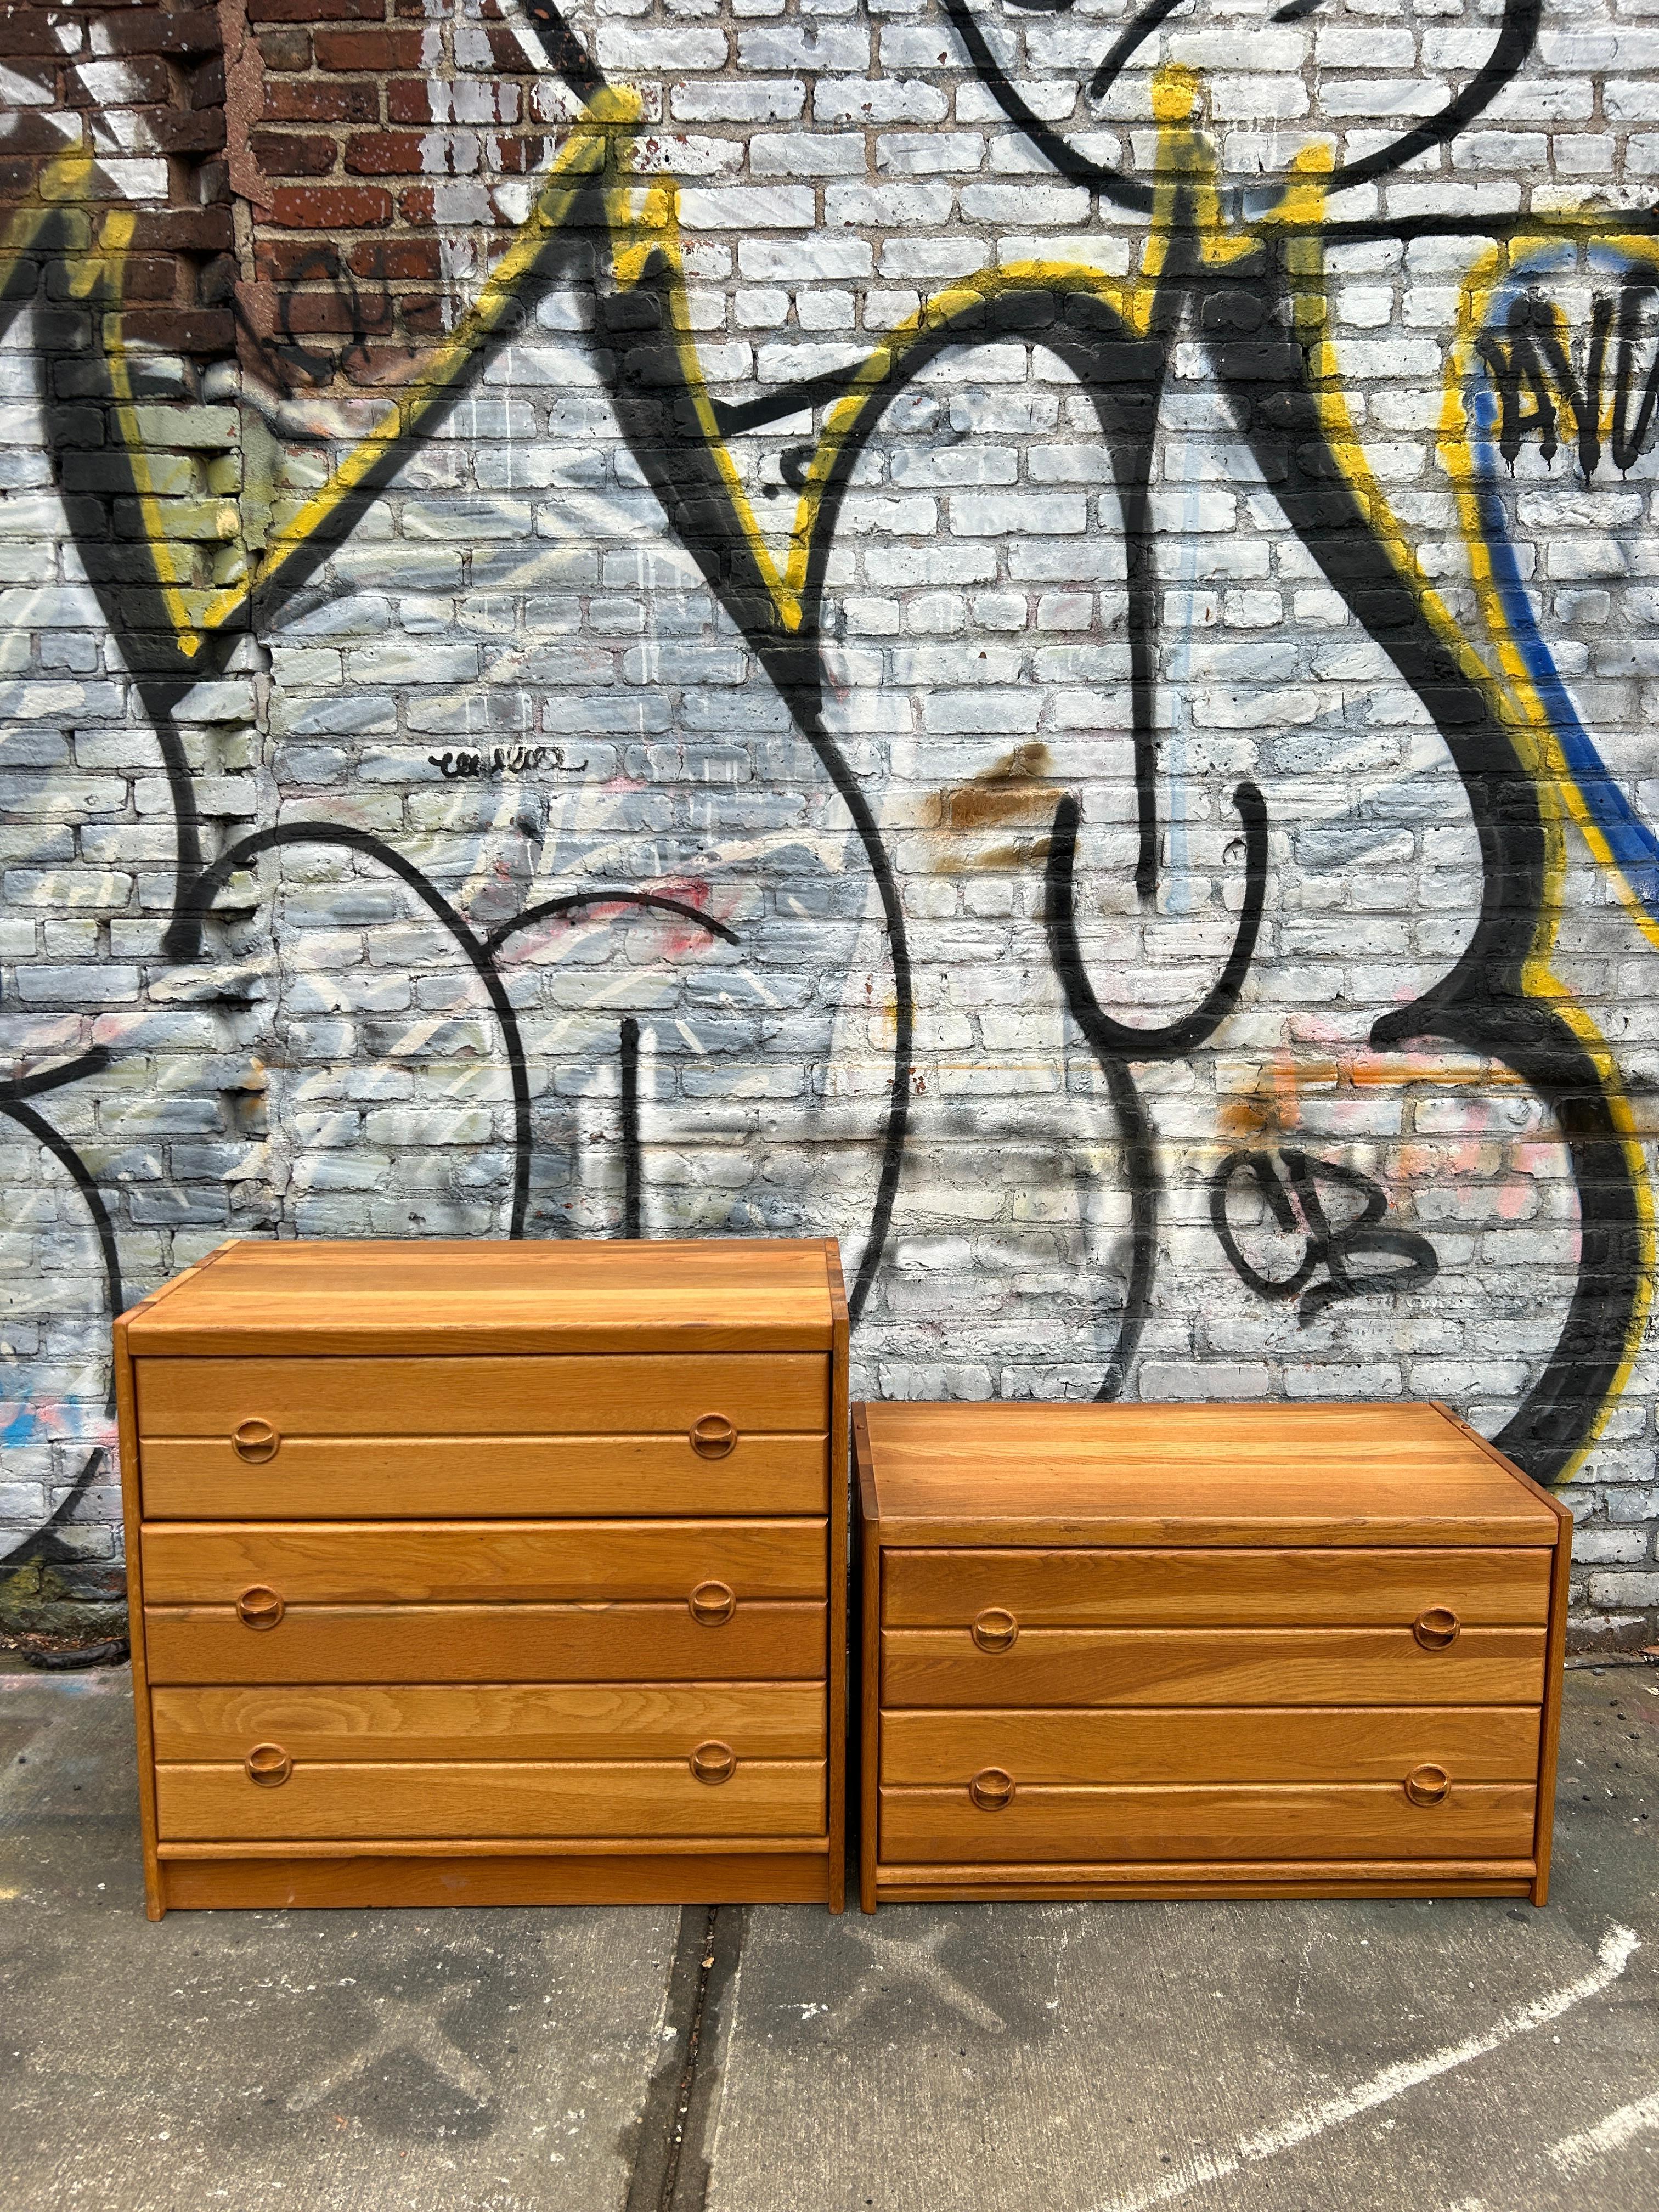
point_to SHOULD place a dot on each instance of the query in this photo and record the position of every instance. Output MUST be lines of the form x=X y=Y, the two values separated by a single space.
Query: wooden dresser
x=1201 y=1650
x=488 y=1573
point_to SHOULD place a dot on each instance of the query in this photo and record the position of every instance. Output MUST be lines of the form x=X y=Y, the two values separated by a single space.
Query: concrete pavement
x=1456 y=2057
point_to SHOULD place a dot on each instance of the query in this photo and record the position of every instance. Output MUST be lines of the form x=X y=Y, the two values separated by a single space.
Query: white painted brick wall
x=332 y=1065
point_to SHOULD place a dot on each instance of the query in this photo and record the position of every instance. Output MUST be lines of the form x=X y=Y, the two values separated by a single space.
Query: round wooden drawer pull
x=260 y=1607
x=255 y=1441
x=712 y=1435
x=711 y=1604
x=1437 y=1628
x=1427 y=1785
x=268 y=1765
x=992 y=1789
x=714 y=1763
x=995 y=1630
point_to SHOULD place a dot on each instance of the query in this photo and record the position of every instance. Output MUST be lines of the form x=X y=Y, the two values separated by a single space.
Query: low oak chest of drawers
x=488 y=1573
x=1185 y=1651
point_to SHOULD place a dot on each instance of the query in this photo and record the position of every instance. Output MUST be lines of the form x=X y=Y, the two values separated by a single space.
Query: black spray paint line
x=44 y=1543
x=122 y=571
x=655 y=409
x=632 y=1160
x=1516 y=36
x=1484 y=1003
x=1114 y=1043
x=577 y=901
x=1109 y=1038
x=213 y=879
x=564 y=50
x=1324 y=1246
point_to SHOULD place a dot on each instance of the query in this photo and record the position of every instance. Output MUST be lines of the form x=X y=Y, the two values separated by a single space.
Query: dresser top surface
x=440 y=1296
x=1272 y=1475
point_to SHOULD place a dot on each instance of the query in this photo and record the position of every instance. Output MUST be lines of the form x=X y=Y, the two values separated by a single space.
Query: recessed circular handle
x=1427 y=1785
x=255 y=1441
x=1437 y=1628
x=992 y=1789
x=712 y=1435
x=714 y=1763
x=260 y=1607
x=711 y=1604
x=995 y=1629
x=268 y=1765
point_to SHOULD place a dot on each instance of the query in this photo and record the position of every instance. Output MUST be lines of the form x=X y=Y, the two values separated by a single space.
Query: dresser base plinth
x=430 y=1879
x=927 y=1885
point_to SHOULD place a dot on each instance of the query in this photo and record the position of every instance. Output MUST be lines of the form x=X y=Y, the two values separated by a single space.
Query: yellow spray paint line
x=580 y=159
x=1553 y=780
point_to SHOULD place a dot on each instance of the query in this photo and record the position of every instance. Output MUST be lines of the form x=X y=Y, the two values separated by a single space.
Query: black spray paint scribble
x=1533 y=372
x=502 y=760
x=1297 y=1211
x=1483 y=1005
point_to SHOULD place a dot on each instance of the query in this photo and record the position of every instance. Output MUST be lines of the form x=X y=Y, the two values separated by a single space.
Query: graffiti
x=1294 y=1203
x=517 y=760
x=1533 y=373
x=975 y=729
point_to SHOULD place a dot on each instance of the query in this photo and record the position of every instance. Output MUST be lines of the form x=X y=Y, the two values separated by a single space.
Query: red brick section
x=153 y=72
x=377 y=134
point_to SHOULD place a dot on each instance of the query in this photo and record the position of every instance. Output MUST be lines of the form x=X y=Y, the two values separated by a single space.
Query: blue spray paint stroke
x=1631 y=846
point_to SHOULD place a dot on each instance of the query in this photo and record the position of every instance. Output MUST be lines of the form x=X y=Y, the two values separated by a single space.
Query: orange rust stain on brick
x=1007 y=791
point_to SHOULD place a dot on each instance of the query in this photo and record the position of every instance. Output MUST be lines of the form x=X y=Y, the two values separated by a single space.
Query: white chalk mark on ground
x=1406 y=2073
x=912 y=1958
x=1573 y=2152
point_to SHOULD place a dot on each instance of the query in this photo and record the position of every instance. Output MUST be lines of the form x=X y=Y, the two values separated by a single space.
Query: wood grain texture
x=1171 y=1883
x=452 y=1876
x=408 y=1562
x=1296 y=1587
x=1285 y=1821
x=765 y=1641
x=1477 y=1743
x=493 y=1720
x=483 y=1477
x=473 y=1485
x=837 y=1624
x=872 y=1721
x=713 y=1295
x=1018 y=1473
x=554 y=1395
x=1218 y=1666
x=127 y=1434
x=1543 y=1841
x=432 y=1801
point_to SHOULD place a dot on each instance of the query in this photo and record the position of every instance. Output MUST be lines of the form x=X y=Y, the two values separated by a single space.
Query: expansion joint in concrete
x=671 y=2167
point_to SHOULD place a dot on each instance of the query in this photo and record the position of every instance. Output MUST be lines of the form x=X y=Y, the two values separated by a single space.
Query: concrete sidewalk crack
x=675 y=2110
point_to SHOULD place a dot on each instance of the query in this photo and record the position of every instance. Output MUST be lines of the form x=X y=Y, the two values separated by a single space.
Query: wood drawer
x=1215 y=1588
x=1473 y=1743
x=552 y=1395
x=1212 y=1666
x=1334 y=1821
x=410 y=1562
x=421 y=1478
x=766 y=1641
x=428 y=1801
x=530 y=1720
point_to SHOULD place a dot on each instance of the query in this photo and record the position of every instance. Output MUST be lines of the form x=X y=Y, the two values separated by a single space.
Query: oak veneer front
x=404 y=1562
x=522 y=1720
x=420 y=1800
x=421 y=1478
x=763 y=1642
x=1119 y=1651
x=488 y=1573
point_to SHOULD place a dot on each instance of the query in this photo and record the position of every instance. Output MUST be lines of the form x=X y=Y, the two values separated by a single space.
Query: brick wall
x=1203 y=770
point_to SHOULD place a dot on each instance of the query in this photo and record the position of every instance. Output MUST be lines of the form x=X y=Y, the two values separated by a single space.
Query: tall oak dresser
x=488 y=1573
x=1204 y=1650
